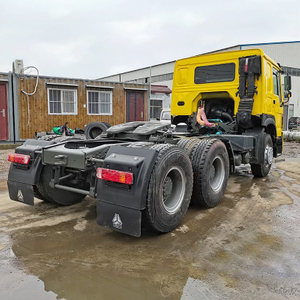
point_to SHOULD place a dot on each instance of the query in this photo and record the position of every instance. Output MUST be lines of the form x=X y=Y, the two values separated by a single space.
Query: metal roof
x=222 y=49
x=160 y=89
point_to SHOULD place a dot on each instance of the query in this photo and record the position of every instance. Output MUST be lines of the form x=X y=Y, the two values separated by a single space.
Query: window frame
x=99 y=114
x=278 y=80
x=61 y=102
x=162 y=104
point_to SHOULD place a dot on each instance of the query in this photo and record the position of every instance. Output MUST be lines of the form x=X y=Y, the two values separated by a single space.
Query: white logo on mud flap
x=20 y=196
x=117 y=222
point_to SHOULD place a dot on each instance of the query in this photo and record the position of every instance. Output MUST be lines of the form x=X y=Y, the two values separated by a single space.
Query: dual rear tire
x=177 y=178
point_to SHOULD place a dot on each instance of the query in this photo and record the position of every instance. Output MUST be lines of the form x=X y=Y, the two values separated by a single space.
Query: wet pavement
x=248 y=247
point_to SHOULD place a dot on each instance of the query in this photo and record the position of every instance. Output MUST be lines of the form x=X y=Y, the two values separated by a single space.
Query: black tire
x=262 y=170
x=106 y=124
x=37 y=194
x=170 y=188
x=187 y=144
x=94 y=129
x=210 y=163
x=57 y=196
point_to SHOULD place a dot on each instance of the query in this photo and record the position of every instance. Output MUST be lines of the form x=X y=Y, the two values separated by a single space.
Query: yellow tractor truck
x=240 y=93
x=226 y=111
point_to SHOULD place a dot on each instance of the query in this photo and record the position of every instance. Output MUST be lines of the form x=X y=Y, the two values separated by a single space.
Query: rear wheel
x=211 y=171
x=57 y=196
x=37 y=194
x=187 y=144
x=262 y=170
x=170 y=188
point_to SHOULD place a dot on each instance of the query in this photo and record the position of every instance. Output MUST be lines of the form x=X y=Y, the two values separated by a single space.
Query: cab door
x=277 y=101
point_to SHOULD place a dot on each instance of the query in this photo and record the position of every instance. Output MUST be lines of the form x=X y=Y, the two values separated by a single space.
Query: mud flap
x=20 y=192
x=119 y=218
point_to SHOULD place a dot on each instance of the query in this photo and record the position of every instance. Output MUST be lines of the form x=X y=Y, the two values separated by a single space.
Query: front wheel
x=262 y=170
x=170 y=188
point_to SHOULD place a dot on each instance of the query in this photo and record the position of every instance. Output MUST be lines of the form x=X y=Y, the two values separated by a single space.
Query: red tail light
x=115 y=176
x=18 y=158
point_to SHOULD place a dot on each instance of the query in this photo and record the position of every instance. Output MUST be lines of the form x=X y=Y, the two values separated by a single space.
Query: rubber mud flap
x=21 y=192
x=119 y=218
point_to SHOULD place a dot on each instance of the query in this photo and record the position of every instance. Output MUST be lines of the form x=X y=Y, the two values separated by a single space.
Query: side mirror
x=287 y=94
x=287 y=83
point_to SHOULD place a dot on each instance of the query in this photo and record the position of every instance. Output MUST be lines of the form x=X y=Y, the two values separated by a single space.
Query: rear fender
x=22 y=178
x=119 y=206
x=28 y=174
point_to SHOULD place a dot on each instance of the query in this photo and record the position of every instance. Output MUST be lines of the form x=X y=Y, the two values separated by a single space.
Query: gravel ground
x=4 y=164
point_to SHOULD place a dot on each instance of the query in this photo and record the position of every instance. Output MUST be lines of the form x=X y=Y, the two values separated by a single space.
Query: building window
x=62 y=101
x=155 y=108
x=291 y=110
x=99 y=103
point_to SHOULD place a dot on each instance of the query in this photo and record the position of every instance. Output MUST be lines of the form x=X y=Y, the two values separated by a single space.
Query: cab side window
x=276 y=84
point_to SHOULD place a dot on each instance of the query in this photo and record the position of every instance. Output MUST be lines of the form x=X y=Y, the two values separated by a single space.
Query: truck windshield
x=215 y=73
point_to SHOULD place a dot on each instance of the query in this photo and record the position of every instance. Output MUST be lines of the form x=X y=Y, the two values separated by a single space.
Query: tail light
x=115 y=176
x=18 y=158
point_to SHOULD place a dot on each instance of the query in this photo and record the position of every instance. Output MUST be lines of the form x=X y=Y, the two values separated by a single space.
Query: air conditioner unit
x=18 y=66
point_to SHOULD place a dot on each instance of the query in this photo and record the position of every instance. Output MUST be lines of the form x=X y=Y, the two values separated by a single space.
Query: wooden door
x=139 y=104
x=135 y=108
x=3 y=113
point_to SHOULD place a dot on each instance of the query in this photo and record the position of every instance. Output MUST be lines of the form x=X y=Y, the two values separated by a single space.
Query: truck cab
x=244 y=84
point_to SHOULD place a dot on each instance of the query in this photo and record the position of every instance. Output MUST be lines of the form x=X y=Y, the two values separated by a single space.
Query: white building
x=287 y=54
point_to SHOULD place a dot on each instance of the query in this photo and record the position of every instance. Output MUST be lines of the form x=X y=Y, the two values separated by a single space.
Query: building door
x=3 y=113
x=135 y=106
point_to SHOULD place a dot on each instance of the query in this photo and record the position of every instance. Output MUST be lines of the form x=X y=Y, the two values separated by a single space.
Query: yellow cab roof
x=221 y=56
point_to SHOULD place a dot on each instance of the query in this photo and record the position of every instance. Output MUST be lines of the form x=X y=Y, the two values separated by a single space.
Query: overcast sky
x=95 y=38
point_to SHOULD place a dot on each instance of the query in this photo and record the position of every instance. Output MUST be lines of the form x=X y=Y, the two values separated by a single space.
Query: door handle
x=142 y=114
x=274 y=101
x=3 y=113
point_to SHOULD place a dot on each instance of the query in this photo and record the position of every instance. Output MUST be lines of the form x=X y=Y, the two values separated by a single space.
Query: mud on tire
x=169 y=189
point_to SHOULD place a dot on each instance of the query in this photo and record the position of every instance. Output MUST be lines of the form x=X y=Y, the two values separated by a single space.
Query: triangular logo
x=20 y=196
x=117 y=222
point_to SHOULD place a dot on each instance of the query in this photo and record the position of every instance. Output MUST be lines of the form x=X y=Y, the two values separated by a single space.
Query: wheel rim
x=268 y=155
x=173 y=189
x=217 y=174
